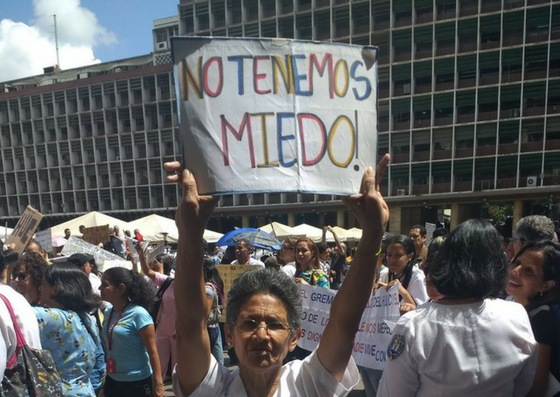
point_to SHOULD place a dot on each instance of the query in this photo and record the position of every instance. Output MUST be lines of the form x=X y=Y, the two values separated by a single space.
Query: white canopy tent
x=312 y=232
x=343 y=234
x=280 y=231
x=5 y=232
x=154 y=227
x=90 y=219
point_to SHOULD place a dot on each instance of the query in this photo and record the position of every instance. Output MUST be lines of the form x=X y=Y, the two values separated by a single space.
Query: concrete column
x=322 y=219
x=395 y=220
x=340 y=218
x=456 y=215
x=517 y=212
x=245 y=221
x=291 y=219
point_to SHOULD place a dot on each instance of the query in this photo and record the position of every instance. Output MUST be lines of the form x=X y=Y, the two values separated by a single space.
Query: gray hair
x=270 y=282
x=535 y=228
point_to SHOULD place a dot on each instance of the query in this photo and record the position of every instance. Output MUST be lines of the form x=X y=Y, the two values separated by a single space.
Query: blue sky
x=89 y=31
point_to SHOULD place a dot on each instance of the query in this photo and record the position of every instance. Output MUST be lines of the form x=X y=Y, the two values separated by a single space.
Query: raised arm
x=144 y=263
x=372 y=212
x=193 y=344
x=324 y=236
x=337 y=242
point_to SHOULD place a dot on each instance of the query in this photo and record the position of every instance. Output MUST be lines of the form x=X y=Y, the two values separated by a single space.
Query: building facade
x=469 y=108
x=469 y=92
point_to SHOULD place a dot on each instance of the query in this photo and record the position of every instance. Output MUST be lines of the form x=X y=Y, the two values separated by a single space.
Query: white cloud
x=26 y=49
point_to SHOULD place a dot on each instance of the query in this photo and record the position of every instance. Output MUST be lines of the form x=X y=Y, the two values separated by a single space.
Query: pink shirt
x=167 y=311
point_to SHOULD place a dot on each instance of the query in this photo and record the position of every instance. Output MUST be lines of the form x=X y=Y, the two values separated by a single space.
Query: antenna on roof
x=56 y=42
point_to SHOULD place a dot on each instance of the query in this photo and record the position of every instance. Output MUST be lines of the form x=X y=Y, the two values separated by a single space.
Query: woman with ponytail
x=401 y=258
x=133 y=366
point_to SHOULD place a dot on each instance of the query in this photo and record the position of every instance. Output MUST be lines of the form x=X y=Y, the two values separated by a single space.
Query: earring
x=540 y=294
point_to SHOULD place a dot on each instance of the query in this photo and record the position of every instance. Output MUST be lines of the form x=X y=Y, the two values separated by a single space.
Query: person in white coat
x=468 y=343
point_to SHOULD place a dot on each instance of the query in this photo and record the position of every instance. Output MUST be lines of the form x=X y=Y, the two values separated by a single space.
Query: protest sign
x=77 y=245
x=44 y=237
x=262 y=115
x=430 y=227
x=152 y=254
x=229 y=273
x=374 y=334
x=96 y=234
x=25 y=228
x=117 y=263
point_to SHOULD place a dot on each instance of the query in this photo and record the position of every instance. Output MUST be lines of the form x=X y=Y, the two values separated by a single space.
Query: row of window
x=132 y=94
x=384 y=14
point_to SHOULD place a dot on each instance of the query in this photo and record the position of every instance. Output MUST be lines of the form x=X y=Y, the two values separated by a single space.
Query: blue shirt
x=76 y=349
x=132 y=361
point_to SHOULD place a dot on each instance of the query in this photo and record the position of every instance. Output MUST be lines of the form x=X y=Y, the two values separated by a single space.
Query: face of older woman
x=261 y=336
x=526 y=278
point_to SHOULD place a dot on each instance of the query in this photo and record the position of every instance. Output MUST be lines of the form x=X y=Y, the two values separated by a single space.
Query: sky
x=89 y=31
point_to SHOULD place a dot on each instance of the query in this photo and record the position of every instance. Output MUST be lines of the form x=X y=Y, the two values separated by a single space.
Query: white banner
x=77 y=245
x=263 y=115
x=374 y=334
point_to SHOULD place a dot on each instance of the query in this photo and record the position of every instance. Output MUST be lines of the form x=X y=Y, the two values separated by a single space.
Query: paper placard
x=96 y=234
x=77 y=245
x=154 y=252
x=374 y=333
x=25 y=228
x=44 y=237
x=229 y=273
x=276 y=115
x=110 y=263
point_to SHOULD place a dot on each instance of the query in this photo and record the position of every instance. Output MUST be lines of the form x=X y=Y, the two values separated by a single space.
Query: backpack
x=158 y=298
x=216 y=311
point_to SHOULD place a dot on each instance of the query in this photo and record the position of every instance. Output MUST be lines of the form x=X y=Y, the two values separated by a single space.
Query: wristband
x=375 y=255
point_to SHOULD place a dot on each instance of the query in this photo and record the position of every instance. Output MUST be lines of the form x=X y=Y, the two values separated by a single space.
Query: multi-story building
x=469 y=92
x=469 y=108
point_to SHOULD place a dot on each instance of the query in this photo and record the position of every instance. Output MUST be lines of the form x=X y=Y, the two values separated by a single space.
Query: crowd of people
x=478 y=314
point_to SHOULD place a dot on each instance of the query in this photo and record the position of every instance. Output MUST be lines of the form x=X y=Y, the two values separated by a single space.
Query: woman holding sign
x=264 y=310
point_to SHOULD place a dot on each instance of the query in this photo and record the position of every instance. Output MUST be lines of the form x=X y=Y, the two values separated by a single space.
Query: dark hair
x=440 y=232
x=7 y=257
x=321 y=247
x=138 y=290
x=271 y=263
x=270 y=282
x=315 y=264
x=73 y=287
x=409 y=247
x=38 y=244
x=551 y=271
x=35 y=266
x=212 y=275
x=229 y=256
x=433 y=249
x=470 y=263
x=245 y=242
x=421 y=228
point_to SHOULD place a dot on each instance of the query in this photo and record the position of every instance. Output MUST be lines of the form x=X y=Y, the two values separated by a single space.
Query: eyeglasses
x=250 y=326
x=21 y=276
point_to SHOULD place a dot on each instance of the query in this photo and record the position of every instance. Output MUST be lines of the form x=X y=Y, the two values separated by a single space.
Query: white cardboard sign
x=374 y=334
x=262 y=115
x=77 y=245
